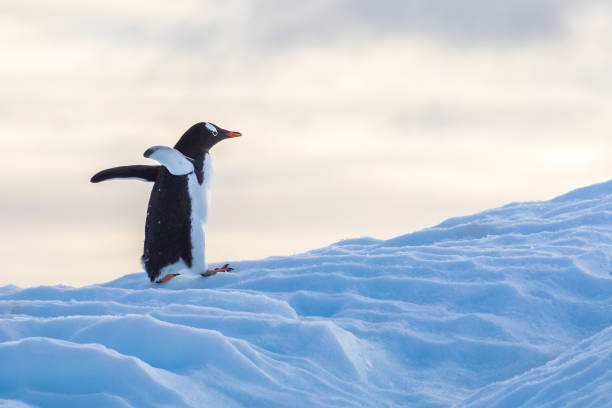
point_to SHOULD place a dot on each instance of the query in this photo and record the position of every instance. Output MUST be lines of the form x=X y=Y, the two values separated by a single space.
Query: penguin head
x=199 y=138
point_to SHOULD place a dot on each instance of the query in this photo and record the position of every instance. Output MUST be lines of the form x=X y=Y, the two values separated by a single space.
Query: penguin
x=178 y=206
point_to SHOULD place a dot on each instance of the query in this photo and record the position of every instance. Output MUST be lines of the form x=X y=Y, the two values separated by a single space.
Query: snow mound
x=480 y=310
x=580 y=377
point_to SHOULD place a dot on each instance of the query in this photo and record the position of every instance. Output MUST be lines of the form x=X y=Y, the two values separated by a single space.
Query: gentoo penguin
x=177 y=211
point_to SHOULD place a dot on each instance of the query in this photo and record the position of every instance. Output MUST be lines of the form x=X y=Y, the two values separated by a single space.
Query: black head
x=199 y=138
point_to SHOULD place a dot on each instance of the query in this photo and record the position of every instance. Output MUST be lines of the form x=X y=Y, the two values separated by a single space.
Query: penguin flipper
x=139 y=172
x=173 y=160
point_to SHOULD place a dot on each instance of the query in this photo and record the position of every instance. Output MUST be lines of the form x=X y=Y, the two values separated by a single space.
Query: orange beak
x=233 y=134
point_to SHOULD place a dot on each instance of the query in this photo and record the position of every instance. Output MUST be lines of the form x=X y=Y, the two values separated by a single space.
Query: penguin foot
x=211 y=272
x=167 y=277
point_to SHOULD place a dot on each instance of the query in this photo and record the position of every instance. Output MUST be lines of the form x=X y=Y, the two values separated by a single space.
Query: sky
x=359 y=118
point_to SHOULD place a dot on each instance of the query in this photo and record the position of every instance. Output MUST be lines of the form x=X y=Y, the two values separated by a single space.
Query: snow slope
x=508 y=307
x=580 y=377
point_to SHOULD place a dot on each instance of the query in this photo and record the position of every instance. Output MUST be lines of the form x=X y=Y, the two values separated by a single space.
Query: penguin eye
x=212 y=129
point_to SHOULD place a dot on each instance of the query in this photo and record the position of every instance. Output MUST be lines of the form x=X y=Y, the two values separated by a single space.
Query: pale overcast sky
x=360 y=118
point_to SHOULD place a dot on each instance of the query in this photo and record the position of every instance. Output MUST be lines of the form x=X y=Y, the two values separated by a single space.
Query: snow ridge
x=509 y=307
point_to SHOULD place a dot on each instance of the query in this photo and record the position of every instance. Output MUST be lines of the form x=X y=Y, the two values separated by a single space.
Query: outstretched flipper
x=173 y=160
x=137 y=172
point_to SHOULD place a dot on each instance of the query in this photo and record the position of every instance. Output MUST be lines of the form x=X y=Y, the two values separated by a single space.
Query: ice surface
x=510 y=307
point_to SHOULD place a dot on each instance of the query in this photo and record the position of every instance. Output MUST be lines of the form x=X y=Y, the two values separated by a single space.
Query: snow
x=579 y=377
x=510 y=307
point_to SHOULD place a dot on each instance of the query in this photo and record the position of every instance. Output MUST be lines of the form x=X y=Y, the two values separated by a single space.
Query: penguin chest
x=199 y=197
x=199 y=193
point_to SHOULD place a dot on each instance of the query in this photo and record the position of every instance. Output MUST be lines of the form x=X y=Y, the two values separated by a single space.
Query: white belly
x=200 y=197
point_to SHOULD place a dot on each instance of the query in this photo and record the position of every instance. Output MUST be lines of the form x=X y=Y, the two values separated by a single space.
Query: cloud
x=249 y=28
x=468 y=22
x=359 y=117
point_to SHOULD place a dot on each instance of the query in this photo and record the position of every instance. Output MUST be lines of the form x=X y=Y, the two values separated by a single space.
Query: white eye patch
x=212 y=129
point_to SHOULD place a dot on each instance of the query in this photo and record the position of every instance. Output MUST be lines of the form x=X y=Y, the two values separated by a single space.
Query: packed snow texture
x=511 y=307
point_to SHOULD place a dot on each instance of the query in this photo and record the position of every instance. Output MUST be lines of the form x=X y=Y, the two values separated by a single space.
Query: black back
x=168 y=225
